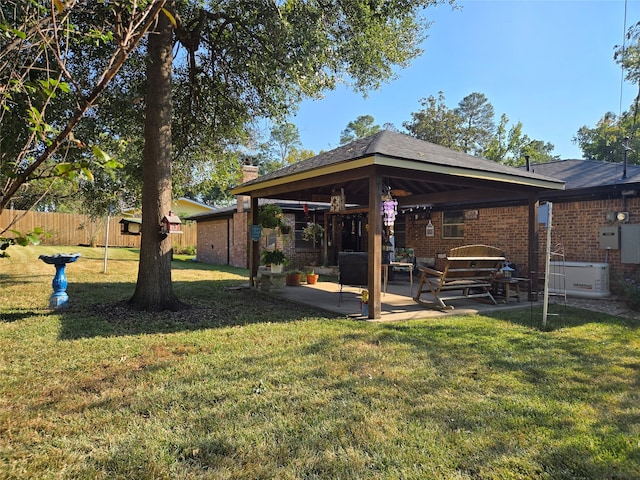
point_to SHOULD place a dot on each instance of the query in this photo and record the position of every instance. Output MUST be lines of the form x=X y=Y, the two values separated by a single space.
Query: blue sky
x=548 y=64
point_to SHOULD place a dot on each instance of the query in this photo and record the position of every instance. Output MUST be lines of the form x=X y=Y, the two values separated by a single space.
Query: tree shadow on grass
x=18 y=315
x=25 y=279
x=101 y=309
x=560 y=316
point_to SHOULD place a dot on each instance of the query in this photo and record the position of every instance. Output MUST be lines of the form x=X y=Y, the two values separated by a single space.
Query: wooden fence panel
x=77 y=229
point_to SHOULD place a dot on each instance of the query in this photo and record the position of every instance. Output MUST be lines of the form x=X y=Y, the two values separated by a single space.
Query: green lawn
x=244 y=386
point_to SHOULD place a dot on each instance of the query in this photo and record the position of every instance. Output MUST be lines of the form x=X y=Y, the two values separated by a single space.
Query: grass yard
x=244 y=386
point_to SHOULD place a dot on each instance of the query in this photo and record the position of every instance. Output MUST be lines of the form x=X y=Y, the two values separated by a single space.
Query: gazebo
x=415 y=172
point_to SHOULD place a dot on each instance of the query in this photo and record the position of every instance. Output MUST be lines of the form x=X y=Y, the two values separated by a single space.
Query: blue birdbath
x=59 y=297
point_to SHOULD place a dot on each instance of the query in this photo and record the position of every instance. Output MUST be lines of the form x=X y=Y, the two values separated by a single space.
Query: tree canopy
x=606 y=141
x=56 y=60
x=361 y=127
x=614 y=135
x=470 y=128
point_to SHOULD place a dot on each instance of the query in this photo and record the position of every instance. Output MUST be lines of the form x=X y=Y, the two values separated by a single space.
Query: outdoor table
x=508 y=286
x=385 y=268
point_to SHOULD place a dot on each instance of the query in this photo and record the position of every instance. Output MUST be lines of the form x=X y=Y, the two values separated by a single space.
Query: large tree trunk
x=154 y=290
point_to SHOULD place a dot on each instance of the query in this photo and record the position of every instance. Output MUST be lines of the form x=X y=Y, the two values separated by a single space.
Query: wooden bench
x=468 y=273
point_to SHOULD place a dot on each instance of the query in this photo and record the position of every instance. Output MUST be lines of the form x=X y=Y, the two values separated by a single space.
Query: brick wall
x=224 y=241
x=212 y=241
x=504 y=228
x=240 y=240
x=576 y=227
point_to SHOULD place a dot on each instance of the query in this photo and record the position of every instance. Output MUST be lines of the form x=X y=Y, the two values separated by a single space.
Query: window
x=453 y=224
x=269 y=238
x=301 y=223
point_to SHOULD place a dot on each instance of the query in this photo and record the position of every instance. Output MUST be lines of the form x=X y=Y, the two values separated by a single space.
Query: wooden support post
x=254 y=246
x=375 y=246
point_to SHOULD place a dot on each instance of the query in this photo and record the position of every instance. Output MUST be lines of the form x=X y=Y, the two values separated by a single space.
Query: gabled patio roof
x=423 y=172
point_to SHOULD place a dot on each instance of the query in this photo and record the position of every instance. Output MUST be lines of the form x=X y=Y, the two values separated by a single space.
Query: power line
x=624 y=39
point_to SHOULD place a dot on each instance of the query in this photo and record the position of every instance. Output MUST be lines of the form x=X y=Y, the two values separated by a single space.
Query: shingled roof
x=415 y=166
x=394 y=145
x=588 y=173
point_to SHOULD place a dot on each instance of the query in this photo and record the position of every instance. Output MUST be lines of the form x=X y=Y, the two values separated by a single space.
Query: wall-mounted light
x=622 y=217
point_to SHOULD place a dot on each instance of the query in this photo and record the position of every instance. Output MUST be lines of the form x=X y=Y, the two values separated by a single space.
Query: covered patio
x=413 y=171
x=397 y=303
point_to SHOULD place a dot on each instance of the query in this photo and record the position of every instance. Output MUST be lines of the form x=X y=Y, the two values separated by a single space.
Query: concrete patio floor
x=397 y=302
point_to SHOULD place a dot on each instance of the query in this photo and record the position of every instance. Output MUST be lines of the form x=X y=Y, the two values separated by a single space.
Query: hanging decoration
x=337 y=201
x=430 y=229
x=417 y=212
x=389 y=208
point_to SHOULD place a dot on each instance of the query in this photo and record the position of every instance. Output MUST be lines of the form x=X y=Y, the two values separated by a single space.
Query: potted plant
x=312 y=232
x=312 y=277
x=293 y=278
x=271 y=216
x=275 y=258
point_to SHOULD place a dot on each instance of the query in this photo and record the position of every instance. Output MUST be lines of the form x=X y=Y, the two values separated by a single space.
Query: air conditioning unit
x=579 y=279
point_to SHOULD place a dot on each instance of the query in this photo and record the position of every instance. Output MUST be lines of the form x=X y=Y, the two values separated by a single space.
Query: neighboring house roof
x=131 y=220
x=421 y=168
x=187 y=206
x=182 y=207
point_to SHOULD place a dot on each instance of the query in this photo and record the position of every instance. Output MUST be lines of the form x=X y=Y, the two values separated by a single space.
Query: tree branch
x=119 y=56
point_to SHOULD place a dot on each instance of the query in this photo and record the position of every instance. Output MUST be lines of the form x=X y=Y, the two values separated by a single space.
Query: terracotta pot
x=312 y=278
x=293 y=279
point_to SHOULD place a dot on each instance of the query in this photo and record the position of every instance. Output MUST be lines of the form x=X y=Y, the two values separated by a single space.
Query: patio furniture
x=403 y=265
x=272 y=282
x=353 y=269
x=468 y=273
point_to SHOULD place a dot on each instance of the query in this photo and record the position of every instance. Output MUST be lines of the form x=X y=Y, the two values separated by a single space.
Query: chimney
x=249 y=172
x=526 y=159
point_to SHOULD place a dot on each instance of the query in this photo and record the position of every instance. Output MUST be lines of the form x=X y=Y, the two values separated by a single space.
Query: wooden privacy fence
x=76 y=229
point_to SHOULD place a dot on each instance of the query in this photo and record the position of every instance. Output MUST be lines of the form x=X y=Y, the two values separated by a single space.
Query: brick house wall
x=213 y=241
x=225 y=241
x=576 y=226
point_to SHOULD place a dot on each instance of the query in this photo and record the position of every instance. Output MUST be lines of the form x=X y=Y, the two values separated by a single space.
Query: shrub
x=184 y=249
x=628 y=288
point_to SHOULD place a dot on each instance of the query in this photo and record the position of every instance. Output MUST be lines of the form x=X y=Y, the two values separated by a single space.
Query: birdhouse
x=171 y=224
x=507 y=271
x=130 y=226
